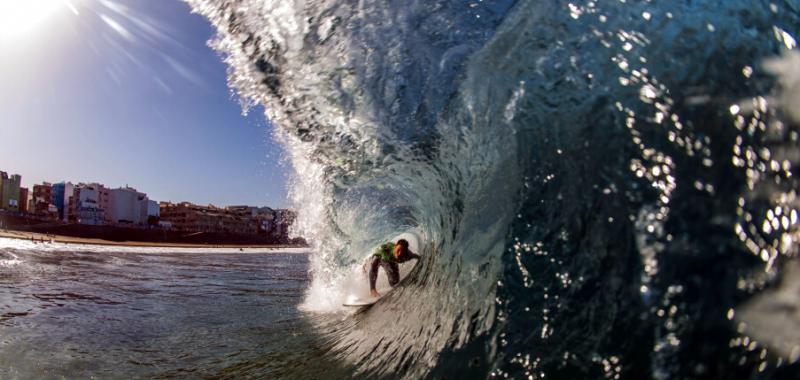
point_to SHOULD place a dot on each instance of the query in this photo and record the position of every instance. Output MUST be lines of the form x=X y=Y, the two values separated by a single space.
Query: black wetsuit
x=383 y=257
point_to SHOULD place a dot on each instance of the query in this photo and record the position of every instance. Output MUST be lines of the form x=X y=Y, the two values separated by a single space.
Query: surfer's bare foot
x=374 y=293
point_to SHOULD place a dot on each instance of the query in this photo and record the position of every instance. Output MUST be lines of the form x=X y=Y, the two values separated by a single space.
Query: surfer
x=388 y=255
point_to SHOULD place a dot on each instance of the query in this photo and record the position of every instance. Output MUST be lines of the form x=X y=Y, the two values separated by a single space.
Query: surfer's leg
x=373 y=271
x=392 y=272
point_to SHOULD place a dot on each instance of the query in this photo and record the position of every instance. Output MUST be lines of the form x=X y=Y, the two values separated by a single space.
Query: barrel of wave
x=351 y=286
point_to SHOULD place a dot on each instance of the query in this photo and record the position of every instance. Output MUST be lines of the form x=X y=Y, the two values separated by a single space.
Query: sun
x=20 y=17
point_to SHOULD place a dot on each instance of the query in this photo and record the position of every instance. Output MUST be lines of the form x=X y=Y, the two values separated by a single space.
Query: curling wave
x=600 y=189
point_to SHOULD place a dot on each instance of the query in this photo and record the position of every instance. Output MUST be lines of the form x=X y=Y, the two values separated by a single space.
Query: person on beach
x=388 y=255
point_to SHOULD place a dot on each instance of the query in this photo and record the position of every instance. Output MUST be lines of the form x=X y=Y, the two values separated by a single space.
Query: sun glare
x=20 y=17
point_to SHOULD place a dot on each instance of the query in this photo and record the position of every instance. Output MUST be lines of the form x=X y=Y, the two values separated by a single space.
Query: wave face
x=601 y=189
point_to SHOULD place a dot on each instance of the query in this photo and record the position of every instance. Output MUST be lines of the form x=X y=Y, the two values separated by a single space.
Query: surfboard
x=360 y=302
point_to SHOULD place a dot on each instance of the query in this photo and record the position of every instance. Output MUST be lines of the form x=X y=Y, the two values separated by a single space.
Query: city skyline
x=124 y=92
x=98 y=211
x=29 y=185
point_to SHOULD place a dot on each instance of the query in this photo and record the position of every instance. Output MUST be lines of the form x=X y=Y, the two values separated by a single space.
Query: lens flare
x=18 y=18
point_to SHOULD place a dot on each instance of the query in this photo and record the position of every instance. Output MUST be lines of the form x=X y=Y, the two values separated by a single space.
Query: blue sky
x=128 y=92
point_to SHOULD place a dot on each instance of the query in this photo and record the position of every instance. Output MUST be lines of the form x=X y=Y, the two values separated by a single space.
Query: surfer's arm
x=408 y=256
x=373 y=271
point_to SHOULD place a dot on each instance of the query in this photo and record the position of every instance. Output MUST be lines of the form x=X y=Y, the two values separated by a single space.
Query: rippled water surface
x=81 y=312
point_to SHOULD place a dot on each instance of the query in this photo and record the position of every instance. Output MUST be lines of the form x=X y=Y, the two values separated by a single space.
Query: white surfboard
x=359 y=294
x=360 y=302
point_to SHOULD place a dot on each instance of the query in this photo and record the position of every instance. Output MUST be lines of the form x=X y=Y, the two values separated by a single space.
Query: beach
x=40 y=237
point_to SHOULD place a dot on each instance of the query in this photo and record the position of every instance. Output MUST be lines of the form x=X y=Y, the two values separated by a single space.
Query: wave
x=597 y=187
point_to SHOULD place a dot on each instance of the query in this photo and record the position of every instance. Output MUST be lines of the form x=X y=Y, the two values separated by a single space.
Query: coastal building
x=43 y=192
x=283 y=220
x=41 y=203
x=50 y=212
x=244 y=211
x=104 y=201
x=188 y=217
x=245 y=220
x=153 y=213
x=96 y=205
x=86 y=207
x=128 y=207
x=24 y=199
x=9 y=191
x=262 y=217
x=266 y=218
x=62 y=196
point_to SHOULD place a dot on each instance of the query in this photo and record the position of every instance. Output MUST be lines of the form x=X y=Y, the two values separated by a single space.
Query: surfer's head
x=401 y=248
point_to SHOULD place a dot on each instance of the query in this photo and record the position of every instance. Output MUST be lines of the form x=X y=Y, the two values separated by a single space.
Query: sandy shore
x=77 y=240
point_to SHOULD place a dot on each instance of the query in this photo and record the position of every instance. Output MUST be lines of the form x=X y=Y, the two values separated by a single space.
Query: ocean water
x=80 y=312
x=601 y=189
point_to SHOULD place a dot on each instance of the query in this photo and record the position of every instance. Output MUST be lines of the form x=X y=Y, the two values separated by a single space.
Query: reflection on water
x=79 y=312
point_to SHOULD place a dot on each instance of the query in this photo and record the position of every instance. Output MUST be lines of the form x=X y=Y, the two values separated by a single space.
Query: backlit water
x=83 y=312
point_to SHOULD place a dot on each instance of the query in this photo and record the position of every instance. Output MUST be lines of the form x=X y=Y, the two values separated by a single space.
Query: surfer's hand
x=374 y=293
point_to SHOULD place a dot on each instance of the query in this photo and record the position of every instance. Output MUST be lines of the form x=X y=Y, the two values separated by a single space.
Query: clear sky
x=128 y=92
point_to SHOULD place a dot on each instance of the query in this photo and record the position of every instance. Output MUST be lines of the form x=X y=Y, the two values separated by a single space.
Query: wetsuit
x=384 y=257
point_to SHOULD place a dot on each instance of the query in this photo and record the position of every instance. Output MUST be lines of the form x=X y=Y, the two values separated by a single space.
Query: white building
x=128 y=207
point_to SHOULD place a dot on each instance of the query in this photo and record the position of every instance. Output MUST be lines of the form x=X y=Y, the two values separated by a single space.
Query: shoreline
x=35 y=236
